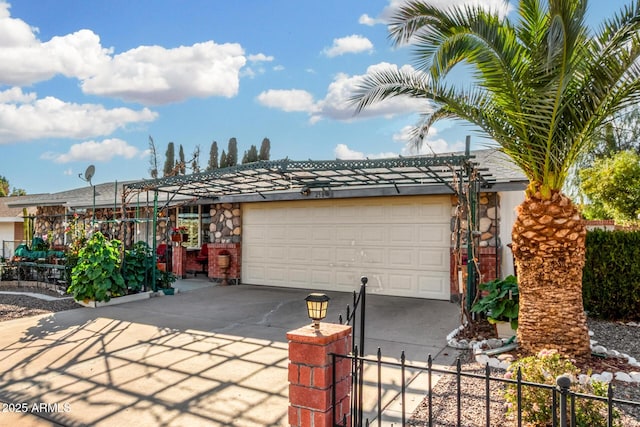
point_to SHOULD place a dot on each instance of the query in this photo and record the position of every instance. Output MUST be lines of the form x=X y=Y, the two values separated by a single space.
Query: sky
x=89 y=82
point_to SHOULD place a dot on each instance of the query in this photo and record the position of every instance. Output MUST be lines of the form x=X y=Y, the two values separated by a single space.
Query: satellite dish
x=88 y=174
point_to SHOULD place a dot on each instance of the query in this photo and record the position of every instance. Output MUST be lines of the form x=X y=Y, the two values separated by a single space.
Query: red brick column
x=179 y=261
x=311 y=374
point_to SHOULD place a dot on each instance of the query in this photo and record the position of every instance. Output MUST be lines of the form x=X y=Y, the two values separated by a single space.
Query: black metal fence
x=359 y=307
x=563 y=399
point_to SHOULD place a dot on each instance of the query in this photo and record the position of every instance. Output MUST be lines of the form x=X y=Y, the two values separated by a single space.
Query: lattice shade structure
x=286 y=175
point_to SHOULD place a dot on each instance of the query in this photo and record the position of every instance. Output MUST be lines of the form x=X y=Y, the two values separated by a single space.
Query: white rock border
x=504 y=362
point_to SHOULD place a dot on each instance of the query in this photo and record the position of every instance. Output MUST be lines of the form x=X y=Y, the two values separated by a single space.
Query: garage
x=400 y=243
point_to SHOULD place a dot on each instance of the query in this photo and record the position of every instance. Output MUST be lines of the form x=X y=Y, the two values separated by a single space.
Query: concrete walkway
x=207 y=356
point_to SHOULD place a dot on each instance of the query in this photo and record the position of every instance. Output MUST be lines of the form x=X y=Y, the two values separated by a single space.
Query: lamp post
x=317 y=308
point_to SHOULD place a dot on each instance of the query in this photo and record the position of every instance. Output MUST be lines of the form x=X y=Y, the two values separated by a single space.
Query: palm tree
x=542 y=87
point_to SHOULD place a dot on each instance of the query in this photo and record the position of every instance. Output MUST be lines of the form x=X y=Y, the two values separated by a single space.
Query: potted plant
x=180 y=234
x=500 y=304
x=164 y=279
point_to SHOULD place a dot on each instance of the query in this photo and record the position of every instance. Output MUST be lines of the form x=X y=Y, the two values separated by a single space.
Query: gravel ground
x=617 y=336
x=17 y=306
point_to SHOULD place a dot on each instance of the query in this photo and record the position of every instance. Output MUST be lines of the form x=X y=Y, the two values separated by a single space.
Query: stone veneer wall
x=487 y=253
x=55 y=219
x=226 y=223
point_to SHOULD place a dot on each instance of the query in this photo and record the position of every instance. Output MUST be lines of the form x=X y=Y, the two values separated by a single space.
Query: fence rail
x=563 y=399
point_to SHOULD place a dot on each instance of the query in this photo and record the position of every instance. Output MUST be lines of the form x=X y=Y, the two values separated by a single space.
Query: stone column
x=311 y=374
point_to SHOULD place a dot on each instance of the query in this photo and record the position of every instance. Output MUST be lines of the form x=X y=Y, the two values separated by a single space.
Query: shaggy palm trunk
x=549 y=250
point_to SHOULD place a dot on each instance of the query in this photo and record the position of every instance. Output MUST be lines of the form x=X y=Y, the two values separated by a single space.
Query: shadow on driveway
x=211 y=356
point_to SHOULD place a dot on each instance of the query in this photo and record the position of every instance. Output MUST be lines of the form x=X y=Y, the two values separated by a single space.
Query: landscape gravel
x=15 y=306
x=622 y=337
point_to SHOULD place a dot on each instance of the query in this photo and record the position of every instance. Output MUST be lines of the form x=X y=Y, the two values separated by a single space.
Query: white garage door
x=400 y=243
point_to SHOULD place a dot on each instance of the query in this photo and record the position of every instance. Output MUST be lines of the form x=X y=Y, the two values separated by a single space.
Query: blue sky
x=87 y=82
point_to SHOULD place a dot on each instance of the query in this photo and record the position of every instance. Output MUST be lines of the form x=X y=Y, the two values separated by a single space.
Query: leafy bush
x=537 y=402
x=138 y=266
x=611 y=275
x=164 y=279
x=500 y=304
x=97 y=275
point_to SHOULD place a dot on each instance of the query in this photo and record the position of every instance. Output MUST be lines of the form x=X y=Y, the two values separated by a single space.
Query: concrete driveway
x=206 y=357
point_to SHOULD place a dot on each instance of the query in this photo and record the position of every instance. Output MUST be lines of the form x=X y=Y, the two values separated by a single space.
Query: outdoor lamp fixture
x=317 y=308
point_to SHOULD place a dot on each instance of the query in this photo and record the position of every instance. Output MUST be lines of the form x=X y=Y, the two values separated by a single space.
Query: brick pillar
x=179 y=261
x=311 y=374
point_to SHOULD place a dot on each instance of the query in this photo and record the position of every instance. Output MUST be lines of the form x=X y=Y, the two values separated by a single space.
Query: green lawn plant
x=97 y=275
x=500 y=303
x=536 y=402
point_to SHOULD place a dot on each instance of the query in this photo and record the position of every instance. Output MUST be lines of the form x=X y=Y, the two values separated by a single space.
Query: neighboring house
x=320 y=224
x=12 y=225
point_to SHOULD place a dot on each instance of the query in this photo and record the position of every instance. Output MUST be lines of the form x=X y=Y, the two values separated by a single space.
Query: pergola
x=256 y=180
x=287 y=179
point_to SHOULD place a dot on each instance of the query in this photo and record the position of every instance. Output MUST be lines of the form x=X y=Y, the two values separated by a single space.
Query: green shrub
x=97 y=275
x=611 y=275
x=138 y=266
x=500 y=304
x=537 y=402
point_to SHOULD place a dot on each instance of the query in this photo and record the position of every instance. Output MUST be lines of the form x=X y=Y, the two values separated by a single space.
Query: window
x=197 y=220
x=188 y=217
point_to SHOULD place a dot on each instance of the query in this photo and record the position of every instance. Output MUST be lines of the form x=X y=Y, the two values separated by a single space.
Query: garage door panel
x=402 y=257
x=402 y=234
x=321 y=278
x=283 y=234
x=298 y=277
x=298 y=253
x=346 y=235
x=402 y=283
x=322 y=233
x=276 y=254
x=322 y=255
x=373 y=236
x=255 y=253
x=434 y=212
x=346 y=254
x=433 y=260
x=371 y=255
x=276 y=275
x=430 y=285
x=347 y=279
x=434 y=234
x=400 y=243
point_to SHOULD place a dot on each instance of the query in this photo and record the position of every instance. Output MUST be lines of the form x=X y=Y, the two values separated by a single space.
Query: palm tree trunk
x=549 y=250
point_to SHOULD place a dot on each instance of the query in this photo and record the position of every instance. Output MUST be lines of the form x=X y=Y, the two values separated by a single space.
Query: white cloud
x=336 y=104
x=260 y=57
x=350 y=44
x=155 y=75
x=278 y=68
x=15 y=95
x=369 y=21
x=24 y=118
x=431 y=143
x=343 y=152
x=293 y=100
x=95 y=151
x=150 y=75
